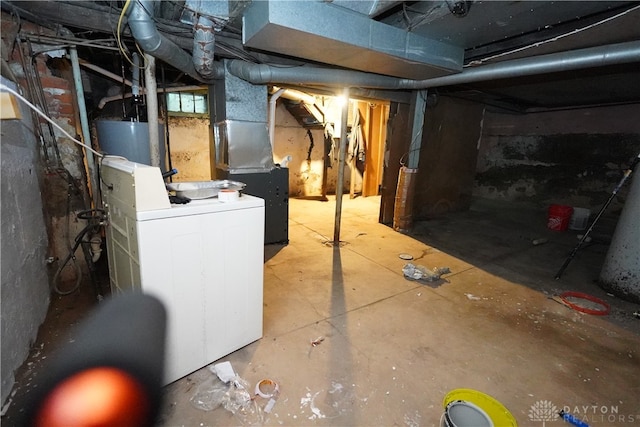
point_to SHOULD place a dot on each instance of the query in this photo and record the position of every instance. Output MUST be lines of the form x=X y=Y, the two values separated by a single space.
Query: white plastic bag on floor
x=210 y=394
x=420 y=272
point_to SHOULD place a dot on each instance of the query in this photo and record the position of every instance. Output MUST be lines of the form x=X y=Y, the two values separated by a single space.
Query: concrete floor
x=389 y=349
x=393 y=348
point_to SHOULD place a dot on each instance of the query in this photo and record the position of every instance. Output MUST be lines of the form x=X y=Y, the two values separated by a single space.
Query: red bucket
x=559 y=217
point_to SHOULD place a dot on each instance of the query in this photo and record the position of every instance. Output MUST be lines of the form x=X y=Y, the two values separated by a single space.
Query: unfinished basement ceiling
x=417 y=40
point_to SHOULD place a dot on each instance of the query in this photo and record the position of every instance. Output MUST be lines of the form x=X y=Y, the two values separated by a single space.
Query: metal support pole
x=341 y=164
x=420 y=103
x=152 y=109
x=84 y=124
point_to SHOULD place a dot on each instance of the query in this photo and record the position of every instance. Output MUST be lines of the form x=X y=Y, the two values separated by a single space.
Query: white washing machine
x=203 y=260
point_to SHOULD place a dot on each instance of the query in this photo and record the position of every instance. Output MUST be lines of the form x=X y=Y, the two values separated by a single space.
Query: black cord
x=311 y=145
x=459 y=9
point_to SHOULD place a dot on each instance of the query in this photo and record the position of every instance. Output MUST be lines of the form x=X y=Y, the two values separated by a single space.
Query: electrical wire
x=413 y=24
x=30 y=88
x=95 y=219
x=217 y=20
x=44 y=116
x=119 y=39
x=70 y=257
x=60 y=42
x=236 y=52
x=553 y=39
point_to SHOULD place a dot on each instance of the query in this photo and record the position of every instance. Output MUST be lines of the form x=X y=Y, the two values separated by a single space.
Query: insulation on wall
x=189 y=142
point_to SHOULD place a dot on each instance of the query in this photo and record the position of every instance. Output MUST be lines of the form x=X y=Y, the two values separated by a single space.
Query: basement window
x=187 y=104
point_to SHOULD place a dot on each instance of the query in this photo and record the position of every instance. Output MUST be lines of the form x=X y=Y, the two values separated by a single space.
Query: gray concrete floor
x=390 y=349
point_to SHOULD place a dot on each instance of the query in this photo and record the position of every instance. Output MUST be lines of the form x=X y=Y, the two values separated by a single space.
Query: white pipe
x=108 y=99
x=308 y=100
x=272 y=116
x=104 y=72
x=135 y=86
x=152 y=109
x=296 y=95
x=96 y=247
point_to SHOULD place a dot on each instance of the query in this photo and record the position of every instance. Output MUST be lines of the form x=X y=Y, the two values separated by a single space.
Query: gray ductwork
x=322 y=32
x=620 y=53
x=152 y=42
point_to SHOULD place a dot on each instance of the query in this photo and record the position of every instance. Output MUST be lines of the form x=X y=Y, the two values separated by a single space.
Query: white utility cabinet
x=203 y=260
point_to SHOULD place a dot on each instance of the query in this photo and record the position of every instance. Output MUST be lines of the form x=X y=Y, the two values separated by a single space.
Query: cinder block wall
x=24 y=293
x=41 y=189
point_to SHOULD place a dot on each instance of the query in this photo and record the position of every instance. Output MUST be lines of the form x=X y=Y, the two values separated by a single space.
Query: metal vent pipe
x=152 y=42
x=619 y=53
x=599 y=56
x=304 y=75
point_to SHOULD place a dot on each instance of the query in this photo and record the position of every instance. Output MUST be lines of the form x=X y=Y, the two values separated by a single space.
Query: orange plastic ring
x=571 y=294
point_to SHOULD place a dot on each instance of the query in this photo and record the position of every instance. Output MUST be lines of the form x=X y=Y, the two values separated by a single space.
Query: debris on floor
x=537 y=242
x=406 y=257
x=267 y=388
x=420 y=272
x=7 y=404
x=233 y=393
x=317 y=341
x=330 y=403
x=473 y=297
x=209 y=394
x=571 y=419
x=224 y=371
x=238 y=397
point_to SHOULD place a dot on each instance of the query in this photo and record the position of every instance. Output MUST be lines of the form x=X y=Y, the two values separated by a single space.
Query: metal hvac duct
x=620 y=53
x=322 y=32
x=152 y=42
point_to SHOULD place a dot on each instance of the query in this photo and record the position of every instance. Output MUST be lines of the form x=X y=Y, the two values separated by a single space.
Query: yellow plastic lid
x=496 y=411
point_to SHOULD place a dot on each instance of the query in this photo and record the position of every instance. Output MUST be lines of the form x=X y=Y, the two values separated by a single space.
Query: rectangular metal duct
x=323 y=32
x=243 y=147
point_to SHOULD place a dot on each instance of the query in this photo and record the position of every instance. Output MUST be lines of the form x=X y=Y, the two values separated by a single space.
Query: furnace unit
x=243 y=153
